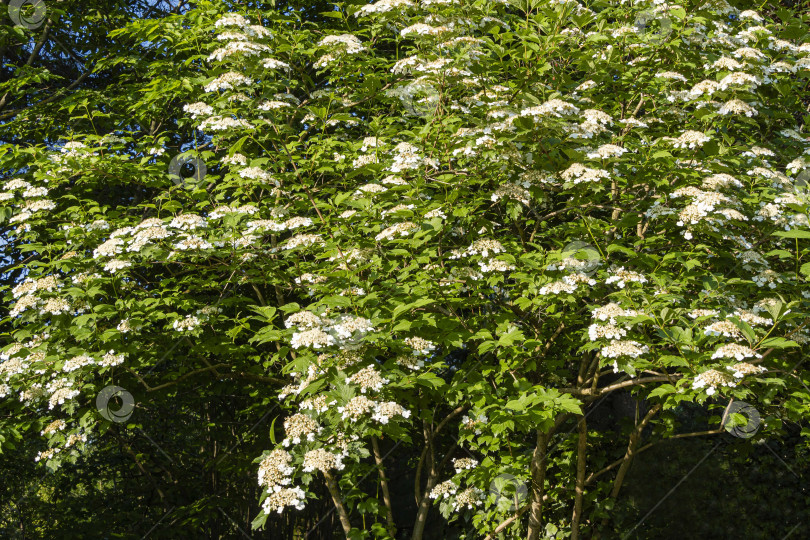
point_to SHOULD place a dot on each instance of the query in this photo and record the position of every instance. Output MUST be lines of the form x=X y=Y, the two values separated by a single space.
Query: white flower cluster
x=606 y=151
x=198 y=109
x=464 y=464
x=611 y=311
x=485 y=247
x=398 y=229
x=111 y=359
x=367 y=379
x=469 y=498
x=319 y=404
x=741 y=369
x=322 y=460
x=578 y=173
x=344 y=331
x=511 y=191
x=420 y=346
x=723 y=328
x=617 y=348
x=618 y=323
x=303 y=240
x=713 y=379
x=733 y=350
x=238 y=47
x=275 y=475
x=60 y=390
x=382 y=412
x=78 y=362
x=689 y=139
x=555 y=108
x=347 y=43
x=55 y=426
x=474 y=423
x=411 y=362
x=443 y=490
x=189 y=323
x=557 y=287
x=383 y=6
x=303 y=319
x=315 y=338
x=255 y=173
x=300 y=427
x=407 y=157
x=228 y=81
x=224 y=123
x=622 y=277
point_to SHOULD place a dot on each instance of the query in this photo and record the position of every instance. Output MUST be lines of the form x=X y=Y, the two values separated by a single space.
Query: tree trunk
x=389 y=515
x=635 y=437
x=538 y=479
x=582 y=447
x=424 y=502
x=343 y=514
x=421 y=514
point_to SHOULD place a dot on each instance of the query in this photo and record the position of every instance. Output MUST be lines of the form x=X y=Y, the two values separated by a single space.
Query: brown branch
x=456 y=412
x=252 y=377
x=504 y=524
x=635 y=436
x=593 y=476
x=143 y=470
x=34 y=53
x=424 y=503
x=617 y=386
x=538 y=481
x=389 y=514
x=417 y=489
x=582 y=448
x=343 y=514
x=182 y=377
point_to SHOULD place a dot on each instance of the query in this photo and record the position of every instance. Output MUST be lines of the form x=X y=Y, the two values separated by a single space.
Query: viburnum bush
x=444 y=228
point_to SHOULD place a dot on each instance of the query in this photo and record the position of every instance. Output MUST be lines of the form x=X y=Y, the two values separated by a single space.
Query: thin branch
x=176 y=381
x=343 y=514
x=504 y=524
x=389 y=514
x=594 y=475
x=582 y=449
x=617 y=386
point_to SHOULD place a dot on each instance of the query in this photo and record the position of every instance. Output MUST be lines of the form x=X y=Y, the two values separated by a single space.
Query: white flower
x=420 y=346
x=621 y=277
x=733 y=350
x=115 y=265
x=315 y=338
x=186 y=325
x=464 y=464
x=228 y=81
x=689 y=139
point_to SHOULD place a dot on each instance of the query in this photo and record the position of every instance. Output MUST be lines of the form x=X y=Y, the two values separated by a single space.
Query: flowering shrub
x=408 y=267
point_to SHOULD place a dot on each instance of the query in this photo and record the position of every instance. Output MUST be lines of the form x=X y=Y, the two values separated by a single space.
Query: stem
x=538 y=480
x=424 y=503
x=504 y=524
x=635 y=436
x=331 y=484
x=389 y=515
x=582 y=447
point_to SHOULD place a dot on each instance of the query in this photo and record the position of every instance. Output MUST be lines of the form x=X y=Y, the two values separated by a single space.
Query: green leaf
x=795 y=233
x=662 y=390
x=399 y=310
x=777 y=343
